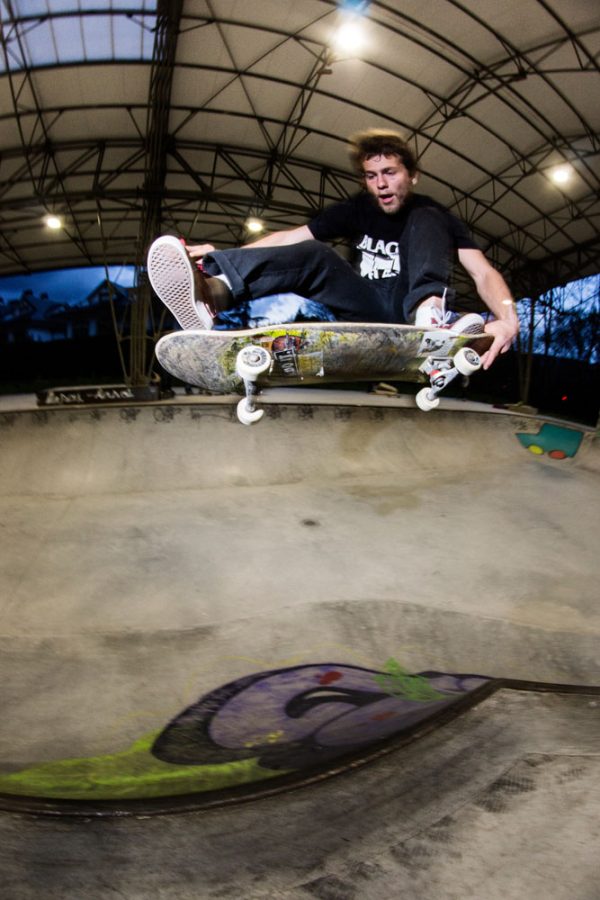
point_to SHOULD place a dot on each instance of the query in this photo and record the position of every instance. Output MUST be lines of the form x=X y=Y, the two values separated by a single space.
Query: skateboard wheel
x=467 y=361
x=252 y=361
x=248 y=416
x=425 y=402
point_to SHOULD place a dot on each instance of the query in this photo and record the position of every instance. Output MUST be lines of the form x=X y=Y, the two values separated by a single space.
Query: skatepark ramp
x=174 y=584
x=195 y=612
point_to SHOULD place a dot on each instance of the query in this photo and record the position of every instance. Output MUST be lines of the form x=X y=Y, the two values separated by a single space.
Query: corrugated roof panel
x=44 y=34
x=489 y=95
x=97 y=37
x=131 y=40
x=67 y=35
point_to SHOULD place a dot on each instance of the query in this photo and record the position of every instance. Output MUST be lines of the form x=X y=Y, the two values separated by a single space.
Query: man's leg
x=310 y=268
x=428 y=246
x=230 y=277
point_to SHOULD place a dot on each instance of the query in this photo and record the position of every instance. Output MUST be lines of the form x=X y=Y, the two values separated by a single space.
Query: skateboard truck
x=251 y=362
x=442 y=370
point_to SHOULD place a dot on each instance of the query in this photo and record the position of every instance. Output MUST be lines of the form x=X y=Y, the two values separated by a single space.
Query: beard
x=395 y=205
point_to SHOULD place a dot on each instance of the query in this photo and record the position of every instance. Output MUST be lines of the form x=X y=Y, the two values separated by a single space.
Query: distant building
x=37 y=318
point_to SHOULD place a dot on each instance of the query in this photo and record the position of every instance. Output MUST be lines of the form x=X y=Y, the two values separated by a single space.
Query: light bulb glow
x=53 y=222
x=349 y=38
x=254 y=226
x=561 y=174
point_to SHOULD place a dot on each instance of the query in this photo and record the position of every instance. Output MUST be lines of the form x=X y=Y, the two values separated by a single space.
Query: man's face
x=388 y=180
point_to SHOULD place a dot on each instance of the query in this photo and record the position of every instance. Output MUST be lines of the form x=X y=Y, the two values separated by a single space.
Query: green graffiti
x=133 y=773
x=397 y=682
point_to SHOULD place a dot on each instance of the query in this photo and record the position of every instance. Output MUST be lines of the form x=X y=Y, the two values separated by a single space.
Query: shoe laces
x=440 y=317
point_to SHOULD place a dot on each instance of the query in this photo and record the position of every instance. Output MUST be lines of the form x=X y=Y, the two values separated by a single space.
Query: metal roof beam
x=168 y=22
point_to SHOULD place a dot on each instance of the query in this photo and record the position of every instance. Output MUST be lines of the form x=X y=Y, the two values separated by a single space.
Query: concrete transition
x=195 y=613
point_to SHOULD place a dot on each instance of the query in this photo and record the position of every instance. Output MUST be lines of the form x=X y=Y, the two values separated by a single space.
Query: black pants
x=314 y=270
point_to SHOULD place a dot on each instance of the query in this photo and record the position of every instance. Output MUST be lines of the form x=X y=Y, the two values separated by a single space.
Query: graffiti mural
x=279 y=721
x=303 y=716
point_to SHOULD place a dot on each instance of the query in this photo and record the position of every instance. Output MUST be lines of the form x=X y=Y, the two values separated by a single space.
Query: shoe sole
x=470 y=323
x=175 y=281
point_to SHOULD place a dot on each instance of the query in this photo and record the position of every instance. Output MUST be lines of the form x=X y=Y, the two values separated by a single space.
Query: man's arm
x=275 y=239
x=283 y=238
x=494 y=292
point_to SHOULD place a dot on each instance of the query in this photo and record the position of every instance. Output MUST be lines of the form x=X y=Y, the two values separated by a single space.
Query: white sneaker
x=431 y=316
x=179 y=284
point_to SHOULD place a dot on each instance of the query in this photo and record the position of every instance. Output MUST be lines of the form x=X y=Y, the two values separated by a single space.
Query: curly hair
x=379 y=142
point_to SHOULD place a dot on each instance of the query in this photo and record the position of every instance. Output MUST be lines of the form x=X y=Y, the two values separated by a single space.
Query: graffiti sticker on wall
x=555 y=441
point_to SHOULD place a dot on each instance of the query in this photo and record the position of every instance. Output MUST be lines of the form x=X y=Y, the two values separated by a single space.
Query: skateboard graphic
x=223 y=362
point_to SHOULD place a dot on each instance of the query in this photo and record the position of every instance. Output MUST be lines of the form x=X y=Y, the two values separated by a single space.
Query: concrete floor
x=158 y=555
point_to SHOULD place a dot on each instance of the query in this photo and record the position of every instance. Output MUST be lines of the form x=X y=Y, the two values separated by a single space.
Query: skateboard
x=223 y=362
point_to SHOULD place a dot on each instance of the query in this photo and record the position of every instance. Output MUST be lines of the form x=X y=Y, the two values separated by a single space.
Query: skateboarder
x=407 y=244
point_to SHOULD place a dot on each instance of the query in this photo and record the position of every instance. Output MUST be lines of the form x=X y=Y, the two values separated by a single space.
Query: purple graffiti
x=302 y=716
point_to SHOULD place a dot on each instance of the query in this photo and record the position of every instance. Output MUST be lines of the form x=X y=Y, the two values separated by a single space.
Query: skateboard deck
x=316 y=352
x=309 y=353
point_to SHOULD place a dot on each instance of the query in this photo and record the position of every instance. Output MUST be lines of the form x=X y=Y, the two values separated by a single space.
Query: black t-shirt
x=376 y=236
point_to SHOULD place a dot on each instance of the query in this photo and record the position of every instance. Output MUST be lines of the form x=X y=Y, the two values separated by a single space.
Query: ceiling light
x=53 y=222
x=561 y=174
x=255 y=226
x=350 y=37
